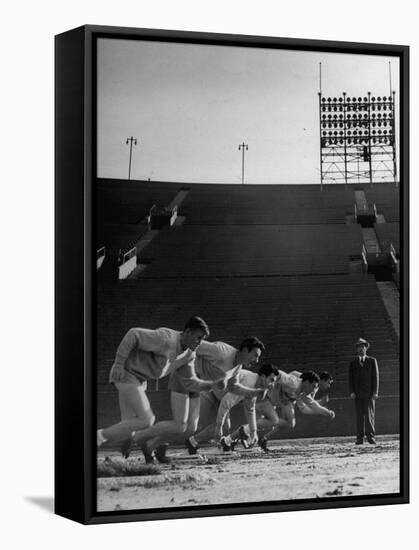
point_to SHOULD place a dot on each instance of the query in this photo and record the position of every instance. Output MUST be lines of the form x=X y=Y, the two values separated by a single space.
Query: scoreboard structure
x=357 y=139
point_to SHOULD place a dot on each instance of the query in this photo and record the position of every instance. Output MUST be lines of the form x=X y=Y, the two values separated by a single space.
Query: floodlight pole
x=131 y=141
x=320 y=131
x=243 y=147
x=345 y=148
x=369 y=137
x=393 y=134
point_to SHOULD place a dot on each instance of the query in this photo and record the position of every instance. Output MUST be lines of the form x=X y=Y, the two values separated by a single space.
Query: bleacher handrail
x=393 y=256
x=128 y=255
x=364 y=259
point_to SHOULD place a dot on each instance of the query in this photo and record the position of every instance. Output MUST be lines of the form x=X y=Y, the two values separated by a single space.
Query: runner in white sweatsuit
x=145 y=354
x=216 y=363
x=215 y=359
x=277 y=410
x=264 y=381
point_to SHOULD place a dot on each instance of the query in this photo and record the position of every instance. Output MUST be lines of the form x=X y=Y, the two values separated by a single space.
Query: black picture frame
x=75 y=150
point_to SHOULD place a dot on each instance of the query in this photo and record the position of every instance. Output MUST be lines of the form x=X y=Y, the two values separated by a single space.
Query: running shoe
x=225 y=443
x=160 y=454
x=126 y=448
x=263 y=444
x=148 y=455
x=192 y=445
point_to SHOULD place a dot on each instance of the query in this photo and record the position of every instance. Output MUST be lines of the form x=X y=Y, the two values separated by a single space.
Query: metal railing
x=100 y=257
x=364 y=259
x=393 y=255
x=163 y=212
x=130 y=254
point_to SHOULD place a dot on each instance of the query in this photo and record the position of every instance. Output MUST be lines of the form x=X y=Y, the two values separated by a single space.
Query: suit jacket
x=364 y=379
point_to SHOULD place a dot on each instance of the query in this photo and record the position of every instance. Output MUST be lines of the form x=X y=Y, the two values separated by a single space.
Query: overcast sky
x=190 y=106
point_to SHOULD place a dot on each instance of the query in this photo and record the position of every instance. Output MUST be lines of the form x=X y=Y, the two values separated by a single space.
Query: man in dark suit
x=363 y=388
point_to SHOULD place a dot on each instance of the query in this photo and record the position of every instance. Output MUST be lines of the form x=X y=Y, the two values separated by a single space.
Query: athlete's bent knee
x=150 y=421
x=181 y=427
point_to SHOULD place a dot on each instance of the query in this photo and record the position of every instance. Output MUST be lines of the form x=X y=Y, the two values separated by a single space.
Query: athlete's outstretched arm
x=244 y=391
x=223 y=412
x=249 y=405
x=308 y=405
x=195 y=384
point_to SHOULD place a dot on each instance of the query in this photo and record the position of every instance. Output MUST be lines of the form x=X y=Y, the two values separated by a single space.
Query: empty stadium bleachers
x=253 y=250
x=122 y=208
x=306 y=322
x=128 y=202
x=388 y=234
x=386 y=197
x=266 y=204
x=272 y=261
x=120 y=236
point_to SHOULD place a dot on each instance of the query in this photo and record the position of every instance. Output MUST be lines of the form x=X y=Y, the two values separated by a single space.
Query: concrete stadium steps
x=122 y=201
x=305 y=322
x=387 y=415
x=252 y=250
x=267 y=204
x=128 y=202
x=388 y=233
x=386 y=196
x=120 y=236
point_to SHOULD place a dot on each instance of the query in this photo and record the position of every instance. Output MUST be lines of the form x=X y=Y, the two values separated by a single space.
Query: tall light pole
x=243 y=147
x=131 y=141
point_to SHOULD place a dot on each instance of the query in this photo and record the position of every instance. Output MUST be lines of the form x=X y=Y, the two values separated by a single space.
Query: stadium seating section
x=252 y=250
x=271 y=261
x=388 y=233
x=386 y=199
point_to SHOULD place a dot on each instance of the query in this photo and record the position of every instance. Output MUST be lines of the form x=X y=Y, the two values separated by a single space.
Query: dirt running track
x=295 y=469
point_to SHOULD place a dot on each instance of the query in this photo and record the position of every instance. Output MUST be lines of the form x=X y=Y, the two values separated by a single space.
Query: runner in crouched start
x=215 y=359
x=261 y=381
x=277 y=410
x=143 y=355
x=185 y=387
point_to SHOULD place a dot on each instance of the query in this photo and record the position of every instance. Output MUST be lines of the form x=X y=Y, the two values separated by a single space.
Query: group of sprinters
x=206 y=380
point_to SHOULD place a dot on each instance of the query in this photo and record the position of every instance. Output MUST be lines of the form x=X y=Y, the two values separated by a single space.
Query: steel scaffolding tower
x=357 y=139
